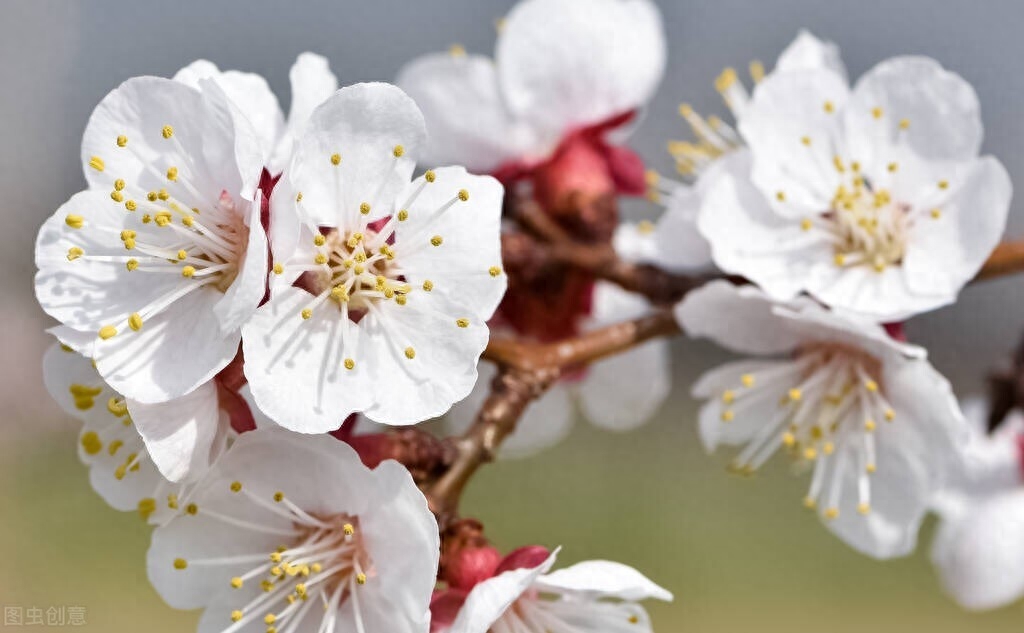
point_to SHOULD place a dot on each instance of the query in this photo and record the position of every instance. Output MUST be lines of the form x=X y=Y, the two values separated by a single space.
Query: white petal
x=461 y=268
x=809 y=52
x=468 y=122
x=788 y=109
x=250 y=94
x=295 y=366
x=565 y=64
x=941 y=108
x=179 y=433
x=312 y=83
x=489 y=599
x=596 y=579
x=362 y=124
x=635 y=242
x=249 y=286
x=679 y=244
x=980 y=555
x=944 y=253
x=738 y=318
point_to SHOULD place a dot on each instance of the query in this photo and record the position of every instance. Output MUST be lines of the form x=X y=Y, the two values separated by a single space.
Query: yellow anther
x=728 y=396
x=403 y=215
x=747 y=380
x=936 y=214
x=237 y=582
x=869 y=425
x=135 y=321
x=810 y=503
x=91 y=443
x=236 y=486
x=725 y=79
x=494 y=271
x=756 y=71
x=890 y=415
x=188 y=271
x=180 y=563
x=192 y=509
x=806 y=140
x=107 y=332
x=828 y=448
x=410 y=353
x=275 y=557
x=806 y=224
x=892 y=167
x=359 y=269
x=430 y=176
x=119 y=184
x=182 y=254
x=279 y=496
x=829 y=107
x=728 y=415
x=122 y=140
x=877 y=112
x=151 y=196
x=319 y=240
x=74 y=253
x=298 y=197
x=350 y=364
x=167 y=131
x=398 y=151
x=172 y=501
x=316 y=567
x=96 y=163
x=437 y=240
x=335 y=159
x=810 y=453
x=871 y=385
x=320 y=258
x=943 y=184
x=307 y=313
x=188 y=220
x=114 y=447
x=462 y=322
x=131 y=264
x=788 y=439
x=131 y=205
x=863 y=508
x=871 y=468
x=795 y=395
x=278 y=268
x=463 y=195
x=832 y=513
x=457 y=50
x=172 y=173
x=839 y=259
x=74 y=221
x=361 y=578
x=146 y=507
x=348 y=529
x=364 y=208
x=904 y=124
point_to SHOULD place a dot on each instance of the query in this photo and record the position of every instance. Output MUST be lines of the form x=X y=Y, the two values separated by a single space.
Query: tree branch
x=1006 y=259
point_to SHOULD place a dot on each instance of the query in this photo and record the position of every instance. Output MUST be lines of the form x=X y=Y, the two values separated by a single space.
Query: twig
x=1006 y=259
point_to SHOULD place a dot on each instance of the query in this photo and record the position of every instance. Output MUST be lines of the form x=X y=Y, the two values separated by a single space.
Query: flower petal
x=250 y=283
x=596 y=579
x=808 y=52
x=312 y=83
x=565 y=64
x=468 y=122
x=490 y=598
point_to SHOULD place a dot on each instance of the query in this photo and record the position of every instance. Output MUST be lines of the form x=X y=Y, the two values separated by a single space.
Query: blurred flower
x=678 y=245
x=121 y=468
x=874 y=201
x=592 y=596
x=292 y=532
x=382 y=287
x=619 y=393
x=979 y=548
x=312 y=82
x=876 y=424
x=163 y=258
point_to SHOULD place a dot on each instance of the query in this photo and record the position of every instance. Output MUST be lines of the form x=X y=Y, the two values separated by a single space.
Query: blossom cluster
x=238 y=289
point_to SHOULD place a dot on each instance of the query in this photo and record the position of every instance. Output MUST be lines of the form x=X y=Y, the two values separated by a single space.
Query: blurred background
x=739 y=554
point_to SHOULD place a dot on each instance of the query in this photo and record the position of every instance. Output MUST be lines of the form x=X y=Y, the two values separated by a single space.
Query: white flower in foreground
x=163 y=258
x=873 y=200
x=678 y=244
x=560 y=66
x=619 y=393
x=312 y=82
x=979 y=548
x=876 y=424
x=291 y=533
x=120 y=467
x=383 y=286
x=590 y=597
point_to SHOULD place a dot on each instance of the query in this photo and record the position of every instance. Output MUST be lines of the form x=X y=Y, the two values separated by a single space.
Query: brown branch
x=1006 y=259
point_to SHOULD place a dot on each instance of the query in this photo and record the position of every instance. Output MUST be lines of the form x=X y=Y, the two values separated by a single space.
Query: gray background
x=58 y=59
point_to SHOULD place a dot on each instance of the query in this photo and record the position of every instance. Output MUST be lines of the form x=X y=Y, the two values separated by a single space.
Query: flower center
x=868 y=227
x=827 y=403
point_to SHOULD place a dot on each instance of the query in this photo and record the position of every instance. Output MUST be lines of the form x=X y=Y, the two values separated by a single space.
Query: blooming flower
x=383 y=287
x=312 y=82
x=873 y=200
x=163 y=258
x=293 y=533
x=524 y=595
x=979 y=548
x=619 y=393
x=121 y=469
x=677 y=244
x=876 y=424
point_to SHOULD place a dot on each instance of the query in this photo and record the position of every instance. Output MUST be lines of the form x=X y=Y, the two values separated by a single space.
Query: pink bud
x=471 y=565
x=526 y=556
